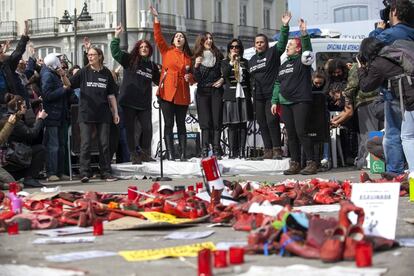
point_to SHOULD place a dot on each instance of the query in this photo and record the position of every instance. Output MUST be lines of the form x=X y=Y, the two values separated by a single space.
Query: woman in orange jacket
x=174 y=91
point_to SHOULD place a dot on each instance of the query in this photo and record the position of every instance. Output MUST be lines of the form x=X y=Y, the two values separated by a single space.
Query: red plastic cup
x=363 y=254
x=236 y=255
x=190 y=188
x=204 y=263
x=13 y=186
x=199 y=186
x=132 y=194
x=220 y=258
x=13 y=229
x=98 y=228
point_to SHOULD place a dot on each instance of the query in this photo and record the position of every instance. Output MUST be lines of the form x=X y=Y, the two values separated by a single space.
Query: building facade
x=334 y=11
x=226 y=19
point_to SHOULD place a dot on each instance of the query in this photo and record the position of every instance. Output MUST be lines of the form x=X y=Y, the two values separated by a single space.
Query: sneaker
x=32 y=183
x=53 y=178
x=85 y=179
x=109 y=178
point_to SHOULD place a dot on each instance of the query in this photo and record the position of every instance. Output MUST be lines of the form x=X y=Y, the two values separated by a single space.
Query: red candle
x=199 y=187
x=132 y=194
x=190 y=188
x=204 y=262
x=220 y=258
x=13 y=187
x=363 y=254
x=13 y=228
x=98 y=228
x=236 y=255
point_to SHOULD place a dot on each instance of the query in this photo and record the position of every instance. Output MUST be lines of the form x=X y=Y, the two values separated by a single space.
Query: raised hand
x=87 y=43
x=12 y=119
x=153 y=11
x=302 y=27
x=26 y=28
x=31 y=50
x=118 y=30
x=286 y=18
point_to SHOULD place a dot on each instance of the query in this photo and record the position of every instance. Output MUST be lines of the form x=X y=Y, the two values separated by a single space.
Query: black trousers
x=171 y=111
x=142 y=119
x=296 y=117
x=36 y=165
x=269 y=124
x=210 y=114
x=102 y=134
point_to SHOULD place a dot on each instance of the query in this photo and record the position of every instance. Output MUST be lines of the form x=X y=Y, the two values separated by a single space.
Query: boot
x=242 y=133
x=170 y=147
x=311 y=168
x=146 y=155
x=217 y=152
x=216 y=144
x=277 y=153
x=268 y=154
x=204 y=151
x=182 y=141
x=136 y=158
x=294 y=168
x=231 y=134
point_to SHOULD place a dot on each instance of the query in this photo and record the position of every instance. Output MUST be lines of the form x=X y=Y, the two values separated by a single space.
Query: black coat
x=230 y=82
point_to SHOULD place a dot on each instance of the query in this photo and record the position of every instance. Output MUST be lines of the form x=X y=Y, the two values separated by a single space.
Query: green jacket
x=353 y=95
x=277 y=97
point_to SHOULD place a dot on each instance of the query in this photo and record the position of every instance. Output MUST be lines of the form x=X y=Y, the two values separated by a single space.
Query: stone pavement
x=19 y=249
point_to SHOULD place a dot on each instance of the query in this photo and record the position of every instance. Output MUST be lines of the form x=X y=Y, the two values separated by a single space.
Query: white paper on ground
x=64 y=240
x=24 y=270
x=227 y=245
x=206 y=197
x=81 y=255
x=73 y=230
x=178 y=235
x=406 y=242
x=265 y=208
x=318 y=208
x=380 y=204
x=305 y=270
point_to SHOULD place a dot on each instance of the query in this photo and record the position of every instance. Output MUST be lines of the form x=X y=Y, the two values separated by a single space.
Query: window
x=352 y=13
x=46 y=8
x=218 y=11
x=44 y=51
x=243 y=13
x=266 y=18
x=6 y=9
x=190 y=9
x=95 y=6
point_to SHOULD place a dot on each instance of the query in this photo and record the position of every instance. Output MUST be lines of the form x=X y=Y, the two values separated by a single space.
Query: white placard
x=77 y=256
x=189 y=235
x=380 y=203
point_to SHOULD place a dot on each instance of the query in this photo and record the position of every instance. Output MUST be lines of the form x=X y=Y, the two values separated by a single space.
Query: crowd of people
x=36 y=96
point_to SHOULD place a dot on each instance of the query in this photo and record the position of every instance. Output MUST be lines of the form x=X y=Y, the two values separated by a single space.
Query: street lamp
x=67 y=20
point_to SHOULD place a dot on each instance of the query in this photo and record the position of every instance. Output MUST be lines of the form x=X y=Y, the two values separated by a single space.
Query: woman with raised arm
x=263 y=67
x=136 y=94
x=293 y=90
x=237 y=105
x=207 y=73
x=174 y=91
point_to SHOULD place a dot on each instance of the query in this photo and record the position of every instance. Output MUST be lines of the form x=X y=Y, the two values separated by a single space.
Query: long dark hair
x=13 y=102
x=199 y=46
x=241 y=48
x=369 y=49
x=135 y=57
x=337 y=64
x=186 y=48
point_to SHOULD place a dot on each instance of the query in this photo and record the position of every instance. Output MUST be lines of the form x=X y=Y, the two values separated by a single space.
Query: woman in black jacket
x=24 y=134
x=209 y=96
x=237 y=105
x=136 y=94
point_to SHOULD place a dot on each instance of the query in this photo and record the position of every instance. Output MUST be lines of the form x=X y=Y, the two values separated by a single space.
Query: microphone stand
x=161 y=177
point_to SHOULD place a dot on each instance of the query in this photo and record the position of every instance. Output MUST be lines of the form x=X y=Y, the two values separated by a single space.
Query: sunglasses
x=234 y=47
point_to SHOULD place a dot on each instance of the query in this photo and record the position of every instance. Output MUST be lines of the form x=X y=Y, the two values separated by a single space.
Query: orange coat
x=175 y=88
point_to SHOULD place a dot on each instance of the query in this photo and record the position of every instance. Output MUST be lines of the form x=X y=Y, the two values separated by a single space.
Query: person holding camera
x=373 y=70
x=400 y=14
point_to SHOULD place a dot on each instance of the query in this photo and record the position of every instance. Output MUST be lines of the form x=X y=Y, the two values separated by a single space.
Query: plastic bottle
x=16 y=203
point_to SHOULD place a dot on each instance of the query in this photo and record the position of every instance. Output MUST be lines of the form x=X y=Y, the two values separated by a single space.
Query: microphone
x=187 y=69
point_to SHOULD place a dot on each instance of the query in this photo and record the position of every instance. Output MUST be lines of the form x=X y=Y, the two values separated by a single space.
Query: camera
x=385 y=13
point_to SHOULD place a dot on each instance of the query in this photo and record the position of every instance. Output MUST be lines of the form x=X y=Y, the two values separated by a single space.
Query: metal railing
x=220 y=28
x=167 y=20
x=46 y=25
x=8 y=29
x=100 y=20
x=195 y=25
x=247 y=31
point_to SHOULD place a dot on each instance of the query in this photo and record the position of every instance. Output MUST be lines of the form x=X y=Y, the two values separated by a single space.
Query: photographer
x=373 y=70
x=400 y=15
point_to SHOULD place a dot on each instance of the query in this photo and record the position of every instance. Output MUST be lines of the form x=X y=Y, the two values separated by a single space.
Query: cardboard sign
x=156 y=254
x=380 y=203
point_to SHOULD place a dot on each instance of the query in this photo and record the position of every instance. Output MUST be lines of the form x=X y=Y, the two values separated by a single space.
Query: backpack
x=400 y=52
